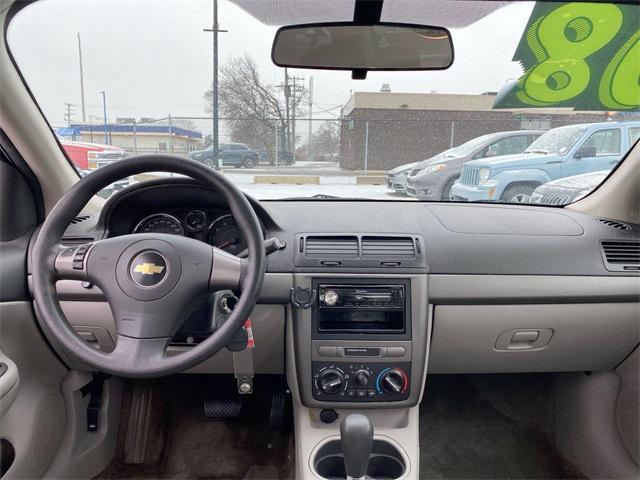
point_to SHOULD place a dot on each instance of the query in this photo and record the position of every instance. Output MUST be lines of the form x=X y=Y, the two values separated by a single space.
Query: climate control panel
x=361 y=382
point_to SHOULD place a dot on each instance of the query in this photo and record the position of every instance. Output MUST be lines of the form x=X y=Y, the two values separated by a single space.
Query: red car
x=89 y=156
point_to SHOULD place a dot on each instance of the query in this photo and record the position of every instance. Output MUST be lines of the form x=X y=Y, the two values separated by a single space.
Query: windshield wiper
x=322 y=196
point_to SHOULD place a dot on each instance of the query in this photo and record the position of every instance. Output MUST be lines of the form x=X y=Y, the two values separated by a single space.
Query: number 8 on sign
x=564 y=38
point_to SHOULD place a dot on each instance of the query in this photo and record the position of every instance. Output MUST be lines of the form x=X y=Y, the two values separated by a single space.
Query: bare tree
x=327 y=138
x=251 y=108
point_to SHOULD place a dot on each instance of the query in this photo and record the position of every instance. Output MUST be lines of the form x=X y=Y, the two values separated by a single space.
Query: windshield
x=559 y=140
x=468 y=147
x=138 y=77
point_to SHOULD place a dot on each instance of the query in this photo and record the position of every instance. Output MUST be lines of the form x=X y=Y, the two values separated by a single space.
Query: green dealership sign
x=580 y=55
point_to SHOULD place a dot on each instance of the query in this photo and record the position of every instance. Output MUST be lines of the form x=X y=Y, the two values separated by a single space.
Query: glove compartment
x=532 y=337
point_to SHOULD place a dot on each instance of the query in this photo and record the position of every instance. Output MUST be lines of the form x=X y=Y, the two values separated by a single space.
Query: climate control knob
x=331 y=381
x=363 y=377
x=393 y=381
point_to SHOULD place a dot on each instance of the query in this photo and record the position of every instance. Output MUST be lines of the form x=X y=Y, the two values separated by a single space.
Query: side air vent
x=79 y=219
x=331 y=247
x=614 y=224
x=388 y=247
x=621 y=255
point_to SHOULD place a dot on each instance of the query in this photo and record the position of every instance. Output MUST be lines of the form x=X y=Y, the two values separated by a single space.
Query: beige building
x=142 y=137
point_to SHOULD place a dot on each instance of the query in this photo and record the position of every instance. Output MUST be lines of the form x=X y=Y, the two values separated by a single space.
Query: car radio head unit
x=360 y=308
x=361 y=296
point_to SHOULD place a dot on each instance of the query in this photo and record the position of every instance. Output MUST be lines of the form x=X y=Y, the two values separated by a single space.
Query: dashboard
x=475 y=276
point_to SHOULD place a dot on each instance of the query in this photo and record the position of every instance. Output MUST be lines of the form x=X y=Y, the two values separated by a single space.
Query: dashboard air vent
x=388 y=247
x=614 y=224
x=622 y=255
x=331 y=246
x=79 y=219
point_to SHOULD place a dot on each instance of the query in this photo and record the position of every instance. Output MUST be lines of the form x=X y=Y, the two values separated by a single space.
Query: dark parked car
x=433 y=180
x=231 y=154
x=284 y=158
x=568 y=189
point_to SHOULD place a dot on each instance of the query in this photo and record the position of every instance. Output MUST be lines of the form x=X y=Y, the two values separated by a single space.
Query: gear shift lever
x=356 y=436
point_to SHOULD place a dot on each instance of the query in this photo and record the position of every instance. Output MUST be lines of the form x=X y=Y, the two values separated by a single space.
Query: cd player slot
x=361 y=321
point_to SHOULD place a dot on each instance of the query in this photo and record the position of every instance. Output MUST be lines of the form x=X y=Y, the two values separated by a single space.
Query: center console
x=357 y=343
x=346 y=316
x=361 y=341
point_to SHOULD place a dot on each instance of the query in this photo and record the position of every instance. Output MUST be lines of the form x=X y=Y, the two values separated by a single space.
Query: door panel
x=32 y=414
x=628 y=406
x=35 y=421
x=9 y=378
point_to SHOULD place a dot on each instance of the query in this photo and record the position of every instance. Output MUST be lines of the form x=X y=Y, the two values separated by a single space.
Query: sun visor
x=427 y=12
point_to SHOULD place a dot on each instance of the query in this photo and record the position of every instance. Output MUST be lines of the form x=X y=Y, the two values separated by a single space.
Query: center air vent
x=614 y=224
x=360 y=250
x=621 y=255
x=388 y=247
x=331 y=247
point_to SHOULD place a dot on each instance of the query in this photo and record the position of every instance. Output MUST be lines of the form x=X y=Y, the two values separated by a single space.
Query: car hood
x=440 y=157
x=504 y=161
x=404 y=168
x=576 y=182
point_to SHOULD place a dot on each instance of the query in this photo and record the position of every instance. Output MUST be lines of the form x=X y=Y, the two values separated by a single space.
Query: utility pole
x=104 y=110
x=215 y=29
x=295 y=89
x=67 y=116
x=84 y=115
x=292 y=87
x=310 y=118
x=287 y=94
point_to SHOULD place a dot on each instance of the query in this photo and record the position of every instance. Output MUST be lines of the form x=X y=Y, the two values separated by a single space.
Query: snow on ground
x=333 y=181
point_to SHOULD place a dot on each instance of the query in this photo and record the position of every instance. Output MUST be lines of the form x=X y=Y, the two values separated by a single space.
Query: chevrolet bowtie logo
x=148 y=268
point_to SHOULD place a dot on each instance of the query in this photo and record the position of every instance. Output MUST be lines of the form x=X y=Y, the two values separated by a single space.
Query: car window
x=327 y=133
x=606 y=142
x=634 y=135
x=509 y=145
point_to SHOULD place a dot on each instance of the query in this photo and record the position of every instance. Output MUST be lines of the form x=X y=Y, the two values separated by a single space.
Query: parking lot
x=306 y=179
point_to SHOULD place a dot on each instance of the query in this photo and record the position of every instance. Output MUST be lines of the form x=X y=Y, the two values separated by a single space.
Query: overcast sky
x=153 y=59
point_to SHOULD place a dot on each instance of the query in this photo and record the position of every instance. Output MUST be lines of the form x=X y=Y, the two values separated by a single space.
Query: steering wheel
x=151 y=281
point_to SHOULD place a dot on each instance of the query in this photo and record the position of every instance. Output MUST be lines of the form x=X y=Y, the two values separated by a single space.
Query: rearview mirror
x=349 y=46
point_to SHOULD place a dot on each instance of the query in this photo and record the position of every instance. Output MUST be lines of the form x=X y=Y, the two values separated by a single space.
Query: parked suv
x=433 y=180
x=231 y=154
x=561 y=152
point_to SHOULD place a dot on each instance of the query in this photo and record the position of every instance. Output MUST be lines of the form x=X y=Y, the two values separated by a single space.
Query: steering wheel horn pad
x=151 y=281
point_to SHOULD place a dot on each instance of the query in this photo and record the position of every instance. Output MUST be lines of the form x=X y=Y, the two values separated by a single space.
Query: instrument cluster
x=213 y=227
